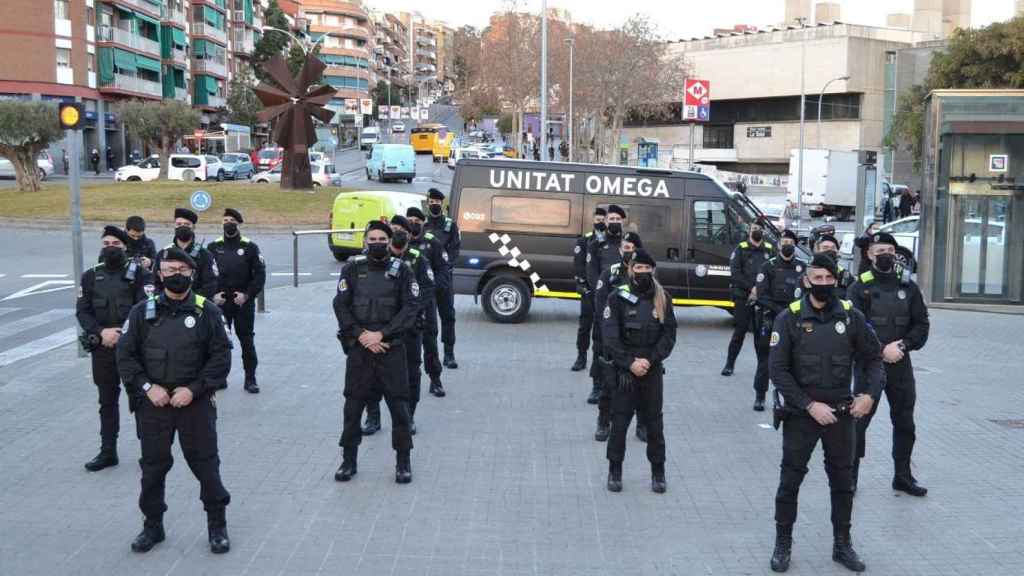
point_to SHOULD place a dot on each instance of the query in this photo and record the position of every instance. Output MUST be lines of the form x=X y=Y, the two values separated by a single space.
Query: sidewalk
x=507 y=477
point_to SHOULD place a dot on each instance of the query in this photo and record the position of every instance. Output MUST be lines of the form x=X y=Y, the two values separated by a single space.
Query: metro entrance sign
x=697 y=101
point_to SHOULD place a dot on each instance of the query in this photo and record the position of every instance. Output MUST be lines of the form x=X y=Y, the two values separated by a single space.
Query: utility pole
x=803 y=105
x=571 y=41
x=544 y=79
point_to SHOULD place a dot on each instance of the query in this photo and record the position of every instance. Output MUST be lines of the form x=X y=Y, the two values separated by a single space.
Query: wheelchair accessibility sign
x=201 y=200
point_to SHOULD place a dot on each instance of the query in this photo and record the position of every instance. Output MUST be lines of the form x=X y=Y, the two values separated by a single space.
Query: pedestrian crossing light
x=71 y=116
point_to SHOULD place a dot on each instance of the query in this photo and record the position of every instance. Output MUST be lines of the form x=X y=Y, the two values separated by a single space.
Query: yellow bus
x=423 y=137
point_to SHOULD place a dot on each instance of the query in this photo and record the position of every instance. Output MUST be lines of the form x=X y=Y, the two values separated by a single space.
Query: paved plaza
x=507 y=477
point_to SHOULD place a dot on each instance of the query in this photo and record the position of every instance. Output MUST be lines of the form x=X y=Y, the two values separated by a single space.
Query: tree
x=509 y=62
x=271 y=43
x=989 y=57
x=159 y=124
x=242 y=103
x=26 y=129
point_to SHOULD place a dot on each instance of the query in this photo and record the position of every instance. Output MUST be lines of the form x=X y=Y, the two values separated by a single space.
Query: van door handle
x=673 y=254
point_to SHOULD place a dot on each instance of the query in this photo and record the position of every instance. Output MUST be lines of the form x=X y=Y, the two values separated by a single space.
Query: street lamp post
x=571 y=41
x=803 y=105
x=822 y=97
x=544 y=79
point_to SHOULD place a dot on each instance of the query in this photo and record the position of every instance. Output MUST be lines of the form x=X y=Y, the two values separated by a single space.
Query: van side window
x=531 y=211
x=652 y=223
x=712 y=222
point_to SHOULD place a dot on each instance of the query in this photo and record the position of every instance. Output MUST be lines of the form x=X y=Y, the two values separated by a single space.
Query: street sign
x=425 y=114
x=201 y=200
x=366 y=106
x=405 y=111
x=396 y=112
x=382 y=112
x=351 y=106
x=71 y=115
x=697 y=101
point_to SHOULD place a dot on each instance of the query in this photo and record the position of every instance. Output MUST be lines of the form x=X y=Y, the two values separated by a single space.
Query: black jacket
x=204 y=280
x=353 y=292
x=95 y=311
x=744 y=265
x=447 y=233
x=240 y=266
x=142 y=247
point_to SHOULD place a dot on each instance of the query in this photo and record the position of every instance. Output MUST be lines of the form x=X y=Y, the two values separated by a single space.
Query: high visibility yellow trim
x=553 y=294
x=675 y=301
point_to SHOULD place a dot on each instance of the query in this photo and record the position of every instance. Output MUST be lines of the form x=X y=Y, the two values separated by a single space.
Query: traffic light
x=71 y=115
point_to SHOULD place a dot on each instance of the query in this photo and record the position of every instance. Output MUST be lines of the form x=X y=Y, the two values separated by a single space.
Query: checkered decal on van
x=515 y=261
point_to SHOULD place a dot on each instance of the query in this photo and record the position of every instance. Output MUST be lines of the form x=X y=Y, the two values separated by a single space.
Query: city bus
x=423 y=137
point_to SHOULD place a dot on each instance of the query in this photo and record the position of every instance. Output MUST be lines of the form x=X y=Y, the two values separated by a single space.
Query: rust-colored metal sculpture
x=293 y=103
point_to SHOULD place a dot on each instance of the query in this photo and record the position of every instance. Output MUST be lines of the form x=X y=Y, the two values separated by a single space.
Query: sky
x=678 y=18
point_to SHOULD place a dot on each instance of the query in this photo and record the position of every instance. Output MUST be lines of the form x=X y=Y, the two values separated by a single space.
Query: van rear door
x=353 y=212
x=714 y=230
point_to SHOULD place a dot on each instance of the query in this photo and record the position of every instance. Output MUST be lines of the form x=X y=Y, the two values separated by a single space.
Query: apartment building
x=431 y=55
x=347 y=47
x=391 y=51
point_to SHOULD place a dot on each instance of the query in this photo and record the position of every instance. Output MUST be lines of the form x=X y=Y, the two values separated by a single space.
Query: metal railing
x=179 y=56
x=133 y=84
x=296 y=234
x=210 y=65
x=182 y=94
x=175 y=15
x=204 y=29
x=114 y=34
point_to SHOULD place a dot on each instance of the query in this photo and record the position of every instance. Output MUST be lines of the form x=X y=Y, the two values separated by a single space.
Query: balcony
x=257 y=20
x=214 y=102
x=238 y=15
x=242 y=42
x=179 y=57
x=142 y=5
x=209 y=66
x=429 y=55
x=204 y=29
x=182 y=94
x=176 y=16
x=126 y=38
x=137 y=85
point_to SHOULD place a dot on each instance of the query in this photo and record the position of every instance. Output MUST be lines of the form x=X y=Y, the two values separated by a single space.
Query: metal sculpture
x=292 y=104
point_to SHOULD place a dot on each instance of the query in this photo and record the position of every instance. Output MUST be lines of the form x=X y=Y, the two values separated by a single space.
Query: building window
x=90 y=16
x=718 y=136
x=90 y=60
x=62 y=9
x=63 y=58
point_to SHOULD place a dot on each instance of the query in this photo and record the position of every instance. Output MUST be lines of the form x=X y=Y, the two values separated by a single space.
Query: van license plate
x=345 y=235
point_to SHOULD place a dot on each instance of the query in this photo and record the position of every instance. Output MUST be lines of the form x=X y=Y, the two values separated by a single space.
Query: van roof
x=392 y=146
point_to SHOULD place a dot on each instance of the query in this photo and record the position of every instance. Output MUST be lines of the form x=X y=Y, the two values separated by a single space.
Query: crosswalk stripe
x=39 y=346
x=30 y=322
x=44 y=275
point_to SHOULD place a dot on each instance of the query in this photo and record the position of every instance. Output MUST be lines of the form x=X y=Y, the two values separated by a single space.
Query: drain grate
x=1012 y=424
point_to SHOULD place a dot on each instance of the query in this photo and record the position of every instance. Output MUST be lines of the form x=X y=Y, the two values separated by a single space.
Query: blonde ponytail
x=660 y=301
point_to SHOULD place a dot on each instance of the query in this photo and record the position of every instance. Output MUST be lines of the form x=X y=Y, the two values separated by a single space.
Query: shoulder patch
x=744 y=244
x=414 y=287
x=867 y=277
x=760 y=276
x=577 y=249
x=607 y=312
x=795 y=306
x=847 y=305
x=342 y=285
x=775 y=339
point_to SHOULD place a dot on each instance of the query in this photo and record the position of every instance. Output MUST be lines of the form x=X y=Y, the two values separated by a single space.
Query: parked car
x=268 y=157
x=43 y=163
x=398 y=128
x=237 y=166
x=905 y=231
x=368 y=137
x=325 y=174
x=394 y=161
x=268 y=176
x=186 y=167
x=466 y=152
x=214 y=168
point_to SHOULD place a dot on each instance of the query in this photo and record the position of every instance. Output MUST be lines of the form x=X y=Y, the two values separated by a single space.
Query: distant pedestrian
x=888 y=211
x=905 y=202
x=95 y=158
x=110 y=159
x=536 y=152
x=563 y=149
x=915 y=203
x=64 y=159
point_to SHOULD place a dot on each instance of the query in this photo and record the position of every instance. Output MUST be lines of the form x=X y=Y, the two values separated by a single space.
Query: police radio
x=151 y=308
x=133 y=269
x=396 y=266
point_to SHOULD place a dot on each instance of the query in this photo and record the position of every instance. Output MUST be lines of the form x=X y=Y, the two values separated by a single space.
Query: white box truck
x=830 y=182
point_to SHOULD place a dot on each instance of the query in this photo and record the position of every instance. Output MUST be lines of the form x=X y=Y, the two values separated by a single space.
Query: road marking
x=40 y=346
x=290 y=274
x=4 y=311
x=2 y=275
x=335 y=273
x=44 y=275
x=41 y=319
x=41 y=288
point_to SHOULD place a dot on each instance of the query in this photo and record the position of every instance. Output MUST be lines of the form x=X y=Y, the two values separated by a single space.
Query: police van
x=520 y=219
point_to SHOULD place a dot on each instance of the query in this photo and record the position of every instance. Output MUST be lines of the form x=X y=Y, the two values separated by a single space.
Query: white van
x=187 y=167
x=368 y=137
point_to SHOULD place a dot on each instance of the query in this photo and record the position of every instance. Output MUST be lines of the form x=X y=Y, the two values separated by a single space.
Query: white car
x=214 y=168
x=905 y=231
x=457 y=154
x=268 y=176
x=186 y=167
x=43 y=163
x=397 y=128
x=368 y=137
x=324 y=174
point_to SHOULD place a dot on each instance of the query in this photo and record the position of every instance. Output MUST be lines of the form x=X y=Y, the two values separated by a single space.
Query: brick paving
x=507 y=478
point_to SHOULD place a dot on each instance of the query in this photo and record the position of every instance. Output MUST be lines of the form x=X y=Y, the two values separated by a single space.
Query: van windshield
x=749 y=211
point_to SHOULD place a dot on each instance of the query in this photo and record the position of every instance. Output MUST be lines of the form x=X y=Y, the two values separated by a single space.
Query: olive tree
x=159 y=124
x=26 y=129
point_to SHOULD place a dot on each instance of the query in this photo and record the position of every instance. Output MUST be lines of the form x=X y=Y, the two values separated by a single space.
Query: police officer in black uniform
x=447 y=233
x=242 y=275
x=829 y=245
x=108 y=292
x=744 y=265
x=609 y=283
x=204 y=282
x=431 y=249
x=893 y=304
x=778 y=284
x=139 y=245
x=863 y=242
x=173 y=356
x=584 y=289
x=639 y=331
x=600 y=258
x=413 y=341
x=376 y=305
x=814 y=343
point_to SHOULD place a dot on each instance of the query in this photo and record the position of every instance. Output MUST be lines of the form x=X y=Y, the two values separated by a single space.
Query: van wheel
x=188 y=176
x=506 y=299
x=368 y=175
x=905 y=258
x=338 y=254
x=220 y=176
x=134 y=179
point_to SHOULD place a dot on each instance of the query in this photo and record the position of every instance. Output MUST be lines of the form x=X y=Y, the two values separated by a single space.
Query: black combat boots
x=449 y=360
x=604 y=428
x=403 y=469
x=595 y=393
x=217 y=531
x=783 y=547
x=614 y=476
x=348 y=465
x=581 y=362
x=106 y=458
x=250 y=384
x=151 y=535
x=658 y=484
x=759 y=402
x=372 y=424
x=843 y=552
x=436 y=388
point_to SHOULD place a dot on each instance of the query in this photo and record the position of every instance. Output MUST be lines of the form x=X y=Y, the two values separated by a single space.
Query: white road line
x=4 y=311
x=41 y=288
x=2 y=275
x=290 y=274
x=44 y=275
x=41 y=319
x=40 y=346
x=335 y=273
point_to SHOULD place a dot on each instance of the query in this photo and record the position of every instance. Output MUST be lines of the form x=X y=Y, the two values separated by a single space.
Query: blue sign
x=704 y=113
x=201 y=200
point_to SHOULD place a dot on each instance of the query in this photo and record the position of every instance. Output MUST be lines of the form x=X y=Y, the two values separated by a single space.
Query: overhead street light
x=822 y=97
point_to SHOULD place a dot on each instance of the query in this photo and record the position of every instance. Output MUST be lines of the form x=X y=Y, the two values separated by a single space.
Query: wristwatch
x=146 y=386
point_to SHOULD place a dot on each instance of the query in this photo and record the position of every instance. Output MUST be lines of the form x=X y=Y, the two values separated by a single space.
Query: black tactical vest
x=608 y=254
x=173 y=348
x=375 y=296
x=112 y=296
x=785 y=280
x=889 y=308
x=822 y=351
x=639 y=329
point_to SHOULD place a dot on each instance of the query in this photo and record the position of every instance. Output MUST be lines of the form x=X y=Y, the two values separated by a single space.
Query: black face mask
x=823 y=292
x=615 y=229
x=626 y=257
x=183 y=234
x=377 y=250
x=644 y=281
x=112 y=256
x=415 y=229
x=230 y=229
x=757 y=235
x=788 y=250
x=435 y=209
x=178 y=283
x=400 y=240
x=600 y=227
x=884 y=263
